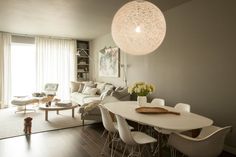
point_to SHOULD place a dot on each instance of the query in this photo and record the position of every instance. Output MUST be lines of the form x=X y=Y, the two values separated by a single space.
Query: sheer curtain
x=55 y=63
x=5 y=72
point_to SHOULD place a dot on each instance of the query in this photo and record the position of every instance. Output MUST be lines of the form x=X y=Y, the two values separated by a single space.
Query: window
x=23 y=69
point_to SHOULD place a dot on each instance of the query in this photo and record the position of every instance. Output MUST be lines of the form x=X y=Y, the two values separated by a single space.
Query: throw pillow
x=90 y=91
x=118 y=88
x=81 y=87
x=105 y=93
x=74 y=86
x=89 y=84
x=108 y=87
x=100 y=87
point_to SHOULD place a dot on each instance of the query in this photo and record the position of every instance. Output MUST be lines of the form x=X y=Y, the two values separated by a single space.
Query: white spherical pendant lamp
x=138 y=27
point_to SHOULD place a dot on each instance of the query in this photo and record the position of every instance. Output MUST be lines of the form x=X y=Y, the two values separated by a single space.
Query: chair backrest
x=206 y=131
x=158 y=101
x=214 y=143
x=124 y=131
x=107 y=119
x=51 y=88
x=183 y=107
x=209 y=146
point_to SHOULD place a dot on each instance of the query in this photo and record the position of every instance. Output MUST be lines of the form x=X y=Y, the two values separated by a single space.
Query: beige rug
x=12 y=124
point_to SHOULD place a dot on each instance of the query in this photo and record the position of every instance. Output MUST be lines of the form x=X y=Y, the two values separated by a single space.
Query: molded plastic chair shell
x=208 y=144
x=158 y=101
x=183 y=107
x=107 y=120
x=50 y=88
x=134 y=137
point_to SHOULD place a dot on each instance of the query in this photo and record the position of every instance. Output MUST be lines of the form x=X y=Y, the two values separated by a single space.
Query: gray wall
x=196 y=62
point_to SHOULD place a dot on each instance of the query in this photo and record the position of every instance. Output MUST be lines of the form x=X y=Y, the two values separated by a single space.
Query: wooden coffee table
x=53 y=107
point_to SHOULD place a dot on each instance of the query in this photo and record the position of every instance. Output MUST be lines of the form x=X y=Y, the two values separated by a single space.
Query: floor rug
x=12 y=124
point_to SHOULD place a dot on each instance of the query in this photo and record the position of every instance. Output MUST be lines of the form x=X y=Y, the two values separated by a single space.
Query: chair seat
x=142 y=138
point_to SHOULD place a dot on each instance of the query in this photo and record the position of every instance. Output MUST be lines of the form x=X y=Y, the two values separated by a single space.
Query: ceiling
x=79 y=19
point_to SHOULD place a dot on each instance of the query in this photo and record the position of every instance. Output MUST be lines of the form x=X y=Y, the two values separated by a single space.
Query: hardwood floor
x=73 y=142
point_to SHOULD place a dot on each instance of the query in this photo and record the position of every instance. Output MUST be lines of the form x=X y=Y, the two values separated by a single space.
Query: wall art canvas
x=109 y=62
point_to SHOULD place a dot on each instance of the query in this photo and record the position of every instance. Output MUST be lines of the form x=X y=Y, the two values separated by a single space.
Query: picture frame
x=109 y=61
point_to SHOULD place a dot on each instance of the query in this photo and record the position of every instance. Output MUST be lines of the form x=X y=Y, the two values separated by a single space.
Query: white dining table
x=169 y=122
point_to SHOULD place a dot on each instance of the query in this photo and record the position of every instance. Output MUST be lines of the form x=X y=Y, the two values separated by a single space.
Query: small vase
x=141 y=100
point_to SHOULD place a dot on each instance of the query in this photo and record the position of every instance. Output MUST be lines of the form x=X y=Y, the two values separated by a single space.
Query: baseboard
x=230 y=149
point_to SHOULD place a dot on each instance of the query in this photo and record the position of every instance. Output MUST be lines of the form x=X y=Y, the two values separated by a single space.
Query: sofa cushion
x=89 y=84
x=81 y=87
x=90 y=91
x=74 y=86
x=90 y=99
x=81 y=99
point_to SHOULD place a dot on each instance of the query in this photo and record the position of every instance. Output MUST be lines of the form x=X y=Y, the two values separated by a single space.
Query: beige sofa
x=89 y=98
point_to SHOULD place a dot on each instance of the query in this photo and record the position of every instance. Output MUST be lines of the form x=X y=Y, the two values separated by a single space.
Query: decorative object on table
x=109 y=62
x=141 y=89
x=63 y=103
x=42 y=94
x=49 y=99
x=155 y=110
x=28 y=125
x=138 y=27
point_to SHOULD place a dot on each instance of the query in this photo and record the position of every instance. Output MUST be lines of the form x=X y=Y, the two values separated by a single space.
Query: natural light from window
x=23 y=69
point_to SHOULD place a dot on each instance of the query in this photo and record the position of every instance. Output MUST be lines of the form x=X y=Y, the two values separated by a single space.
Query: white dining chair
x=108 y=99
x=158 y=101
x=183 y=107
x=209 y=143
x=132 y=138
x=163 y=133
x=107 y=121
x=110 y=126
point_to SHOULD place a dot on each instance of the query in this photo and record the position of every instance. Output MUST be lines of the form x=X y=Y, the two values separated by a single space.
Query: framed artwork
x=109 y=60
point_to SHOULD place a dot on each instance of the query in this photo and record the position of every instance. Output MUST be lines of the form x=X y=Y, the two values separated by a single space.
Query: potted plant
x=141 y=89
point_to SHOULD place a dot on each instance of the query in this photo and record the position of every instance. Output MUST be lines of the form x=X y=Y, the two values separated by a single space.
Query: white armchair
x=209 y=143
x=50 y=88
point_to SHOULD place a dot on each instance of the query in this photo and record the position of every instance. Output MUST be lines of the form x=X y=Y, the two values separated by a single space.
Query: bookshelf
x=82 y=60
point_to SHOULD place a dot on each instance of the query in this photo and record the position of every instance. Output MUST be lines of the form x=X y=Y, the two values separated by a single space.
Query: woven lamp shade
x=138 y=27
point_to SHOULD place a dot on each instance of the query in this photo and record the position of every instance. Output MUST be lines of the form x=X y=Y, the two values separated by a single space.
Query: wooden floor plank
x=73 y=142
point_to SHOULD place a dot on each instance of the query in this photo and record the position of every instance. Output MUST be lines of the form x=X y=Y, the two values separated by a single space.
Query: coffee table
x=53 y=107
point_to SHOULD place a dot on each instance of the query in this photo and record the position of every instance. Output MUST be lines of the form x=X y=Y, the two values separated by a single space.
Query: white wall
x=196 y=62
x=1 y=68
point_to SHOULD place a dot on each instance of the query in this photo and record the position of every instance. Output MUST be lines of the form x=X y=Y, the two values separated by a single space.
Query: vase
x=141 y=100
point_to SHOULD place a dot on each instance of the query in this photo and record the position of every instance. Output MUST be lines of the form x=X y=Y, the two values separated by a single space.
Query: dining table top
x=171 y=122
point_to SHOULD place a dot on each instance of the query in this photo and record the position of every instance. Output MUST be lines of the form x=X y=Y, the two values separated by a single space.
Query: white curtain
x=5 y=69
x=55 y=64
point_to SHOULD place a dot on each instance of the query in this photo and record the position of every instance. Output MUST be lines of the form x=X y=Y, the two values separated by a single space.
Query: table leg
x=46 y=115
x=73 y=112
x=57 y=111
x=159 y=153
